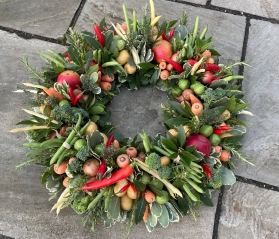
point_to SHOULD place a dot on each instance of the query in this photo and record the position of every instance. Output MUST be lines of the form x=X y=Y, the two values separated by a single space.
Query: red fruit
x=201 y=142
x=70 y=77
x=161 y=48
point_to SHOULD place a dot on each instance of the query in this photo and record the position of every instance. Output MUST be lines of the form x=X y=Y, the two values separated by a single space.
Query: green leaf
x=51 y=59
x=88 y=60
x=183 y=205
x=181 y=110
x=173 y=215
x=27 y=122
x=227 y=176
x=219 y=84
x=152 y=220
x=221 y=102
x=93 y=42
x=164 y=219
x=148 y=226
x=238 y=130
x=187 y=157
x=45 y=176
x=75 y=56
x=140 y=187
x=181 y=136
x=240 y=107
x=140 y=209
x=156 y=191
x=169 y=145
x=108 y=38
x=156 y=209
x=205 y=198
x=94 y=139
x=114 y=207
x=176 y=121
x=231 y=104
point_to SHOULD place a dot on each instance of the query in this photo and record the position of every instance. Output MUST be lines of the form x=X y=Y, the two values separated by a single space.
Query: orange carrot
x=116 y=144
x=99 y=76
x=105 y=85
x=164 y=75
x=225 y=156
x=145 y=215
x=53 y=93
x=162 y=65
x=194 y=99
x=169 y=67
x=107 y=78
x=197 y=108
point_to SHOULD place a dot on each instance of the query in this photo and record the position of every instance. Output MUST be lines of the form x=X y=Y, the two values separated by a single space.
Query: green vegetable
x=216 y=180
x=83 y=154
x=80 y=143
x=164 y=172
x=68 y=114
x=80 y=205
x=153 y=161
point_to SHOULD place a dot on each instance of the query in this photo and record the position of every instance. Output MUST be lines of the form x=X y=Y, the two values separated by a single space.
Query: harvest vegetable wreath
x=90 y=166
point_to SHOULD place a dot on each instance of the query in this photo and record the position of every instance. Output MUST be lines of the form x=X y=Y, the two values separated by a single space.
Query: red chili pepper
x=207 y=170
x=115 y=177
x=163 y=35
x=66 y=54
x=212 y=67
x=171 y=34
x=78 y=97
x=175 y=65
x=71 y=94
x=123 y=189
x=211 y=78
x=224 y=127
x=99 y=35
x=192 y=62
x=133 y=188
x=110 y=140
x=102 y=168
x=217 y=131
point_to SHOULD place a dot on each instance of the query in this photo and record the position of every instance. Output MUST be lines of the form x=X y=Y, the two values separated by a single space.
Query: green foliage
x=210 y=96
x=153 y=161
x=80 y=204
x=164 y=172
x=216 y=180
x=84 y=153
x=69 y=115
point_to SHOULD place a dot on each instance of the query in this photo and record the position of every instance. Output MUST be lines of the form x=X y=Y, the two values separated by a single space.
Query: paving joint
x=257 y=183
x=218 y=213
x=77 y=13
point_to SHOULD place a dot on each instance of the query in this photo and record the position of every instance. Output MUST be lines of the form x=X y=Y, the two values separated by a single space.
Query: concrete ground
x=242 y=31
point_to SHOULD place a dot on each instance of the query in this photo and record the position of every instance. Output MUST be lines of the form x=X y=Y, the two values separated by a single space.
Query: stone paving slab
x=262 y=139
x=263 y=8
x=45 y=18
x=227 y=30
x=249 y=212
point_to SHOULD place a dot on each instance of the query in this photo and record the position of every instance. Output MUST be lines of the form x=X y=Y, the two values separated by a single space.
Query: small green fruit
x=214 y=139
x=199 y=89
x=156 y=183
x=176 y=91
x=162 y=199
x=184 y=84
x=79 y=144
x=206 y=130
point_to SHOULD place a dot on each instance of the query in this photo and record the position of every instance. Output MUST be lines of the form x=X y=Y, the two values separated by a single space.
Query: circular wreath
x=90 y=166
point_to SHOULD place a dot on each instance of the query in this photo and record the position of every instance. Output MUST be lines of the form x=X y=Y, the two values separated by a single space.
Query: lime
x=176 y=91
x=214 y=139
x=206 y=130
x=99 y=149
x=198 y=89
x=145 y=178
x=64 y=102
x=184 y=84
x=163 y=198
x=156 y=183
x=79 y=144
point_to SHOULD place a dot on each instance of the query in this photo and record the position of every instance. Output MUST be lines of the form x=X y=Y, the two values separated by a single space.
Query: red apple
x=161 y=48
x=70 y=77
